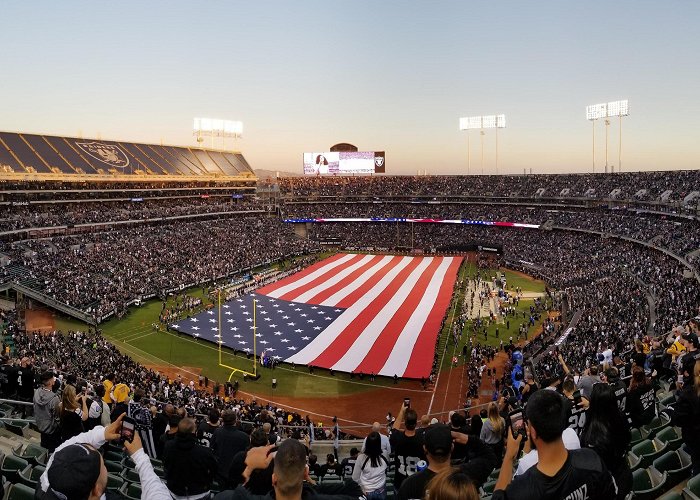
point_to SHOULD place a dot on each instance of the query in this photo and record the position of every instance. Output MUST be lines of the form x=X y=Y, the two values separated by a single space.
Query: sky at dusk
x=392 y=75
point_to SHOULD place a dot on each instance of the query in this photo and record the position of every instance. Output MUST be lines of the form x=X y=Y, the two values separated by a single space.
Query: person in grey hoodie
x=46 y=411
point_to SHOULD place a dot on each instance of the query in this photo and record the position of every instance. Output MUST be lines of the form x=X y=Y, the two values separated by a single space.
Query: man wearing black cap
x=76 y=470
x=438 y=448
x=46 y=411
x=440 y=439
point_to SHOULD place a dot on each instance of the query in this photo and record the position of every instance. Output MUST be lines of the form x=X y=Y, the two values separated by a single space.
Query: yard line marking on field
x=129 y=341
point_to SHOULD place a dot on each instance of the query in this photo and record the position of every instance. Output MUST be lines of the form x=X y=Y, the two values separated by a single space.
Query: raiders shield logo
x=106 y=153
x=379 y=163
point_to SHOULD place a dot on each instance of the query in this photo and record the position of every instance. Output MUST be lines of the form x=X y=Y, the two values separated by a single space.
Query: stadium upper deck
x=44 y=157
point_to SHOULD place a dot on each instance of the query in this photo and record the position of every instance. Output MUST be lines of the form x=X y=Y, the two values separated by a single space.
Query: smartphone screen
x=577 y=397
x=516 y=422
x=128 y=429
x=407 y=402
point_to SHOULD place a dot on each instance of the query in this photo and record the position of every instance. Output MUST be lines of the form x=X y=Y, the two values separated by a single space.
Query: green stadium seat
x=489 y=487
x=648 y=484
x=19 y=492
x=494 y=474
x=636 y=436
x=12 y=466
x=656 y=424
x=331 y=479
x=672 y=436
x=667 y=399
x=161 y=474
x=633 y=461
x=131 y=491
x=114 y=482
x=692 y=489
x=672 y=495
x=677 y=464
x=128 y=462
x=130 y=475
x=32 y=453
x=16 y=426
x=649 y=450
x=30 y=476
x=7 y=408
x=115 y=468
x=113 y=456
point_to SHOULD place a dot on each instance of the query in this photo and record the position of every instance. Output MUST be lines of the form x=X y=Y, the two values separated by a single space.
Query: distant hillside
x=267 y=174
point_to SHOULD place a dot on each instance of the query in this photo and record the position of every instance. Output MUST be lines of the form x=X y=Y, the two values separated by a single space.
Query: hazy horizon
x=391 y=76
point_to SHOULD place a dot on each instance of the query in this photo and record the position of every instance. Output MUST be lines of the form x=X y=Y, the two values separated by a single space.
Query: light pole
x=607 y=129
x=608 y=110
x=482 y=150
x=213 y=127
x=593 y=113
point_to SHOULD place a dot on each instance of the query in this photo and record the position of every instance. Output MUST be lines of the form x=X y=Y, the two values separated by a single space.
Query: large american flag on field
x=364 y=313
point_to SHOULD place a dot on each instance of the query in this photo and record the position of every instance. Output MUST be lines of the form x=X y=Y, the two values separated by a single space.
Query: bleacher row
x=660 y=466
x=42 y=154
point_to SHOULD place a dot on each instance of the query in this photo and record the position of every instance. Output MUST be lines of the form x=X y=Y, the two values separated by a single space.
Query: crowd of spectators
x=654 y=184
x=104 y=271
x=679 y=235
x=87 y=358
x=45 y=215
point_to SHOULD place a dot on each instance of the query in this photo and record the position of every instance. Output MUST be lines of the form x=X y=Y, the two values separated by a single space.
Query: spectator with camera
x=406 y=444
x=559 y=473
x=73 y=412
x=77 y=470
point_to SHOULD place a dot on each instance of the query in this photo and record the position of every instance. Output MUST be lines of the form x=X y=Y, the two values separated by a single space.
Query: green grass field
x=134 y=335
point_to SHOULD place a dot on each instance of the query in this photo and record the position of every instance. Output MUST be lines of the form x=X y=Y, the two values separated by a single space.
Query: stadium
x=180 y=322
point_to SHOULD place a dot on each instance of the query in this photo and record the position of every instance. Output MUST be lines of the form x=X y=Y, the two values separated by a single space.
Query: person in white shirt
x=370 y=468
x=76 y=469
x=571 y=442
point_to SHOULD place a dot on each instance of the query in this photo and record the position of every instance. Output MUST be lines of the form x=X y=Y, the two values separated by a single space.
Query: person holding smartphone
x=77 y=470
x=560 y=473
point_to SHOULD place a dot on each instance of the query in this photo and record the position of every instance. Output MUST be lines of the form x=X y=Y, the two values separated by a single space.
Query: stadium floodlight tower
x=480 y=123
x=595 y=112
x=213 y=127
x=620 y=109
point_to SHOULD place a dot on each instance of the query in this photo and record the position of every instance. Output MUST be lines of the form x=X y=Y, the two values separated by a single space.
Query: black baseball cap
x=692 y=338
x=438 y=440
x=74 y=472
x=47 y=375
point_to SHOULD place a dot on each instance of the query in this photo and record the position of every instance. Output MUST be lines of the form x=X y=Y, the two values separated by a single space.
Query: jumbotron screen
x=344 y=163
